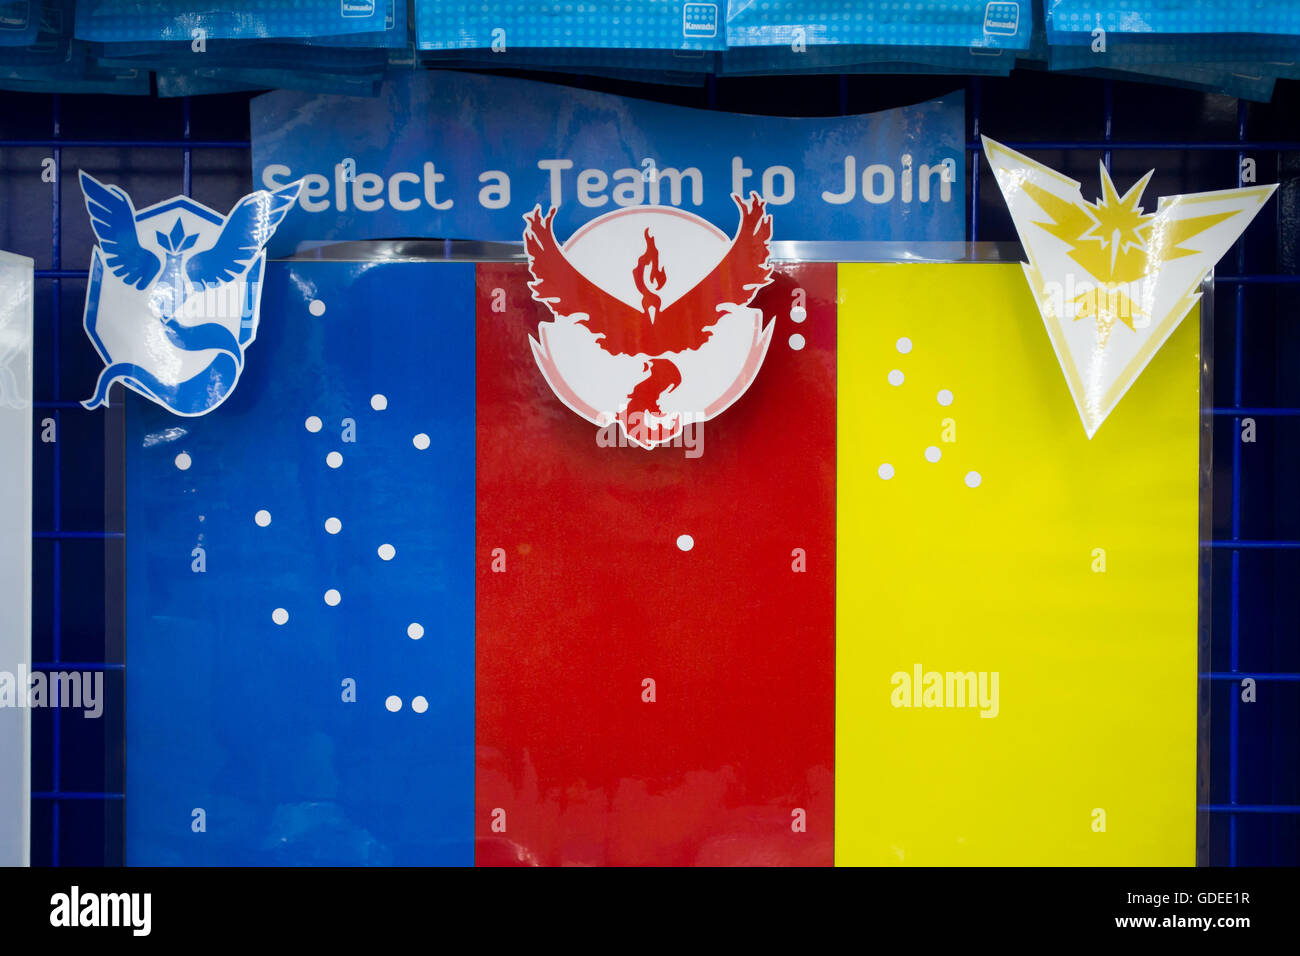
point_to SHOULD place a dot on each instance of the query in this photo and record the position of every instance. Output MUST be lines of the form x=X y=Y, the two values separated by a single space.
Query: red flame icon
x=648 y=271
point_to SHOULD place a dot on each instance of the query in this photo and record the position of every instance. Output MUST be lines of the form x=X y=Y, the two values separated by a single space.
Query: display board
x=400 y=602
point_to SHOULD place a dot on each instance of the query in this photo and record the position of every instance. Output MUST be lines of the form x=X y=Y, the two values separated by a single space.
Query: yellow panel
x=1096 y=670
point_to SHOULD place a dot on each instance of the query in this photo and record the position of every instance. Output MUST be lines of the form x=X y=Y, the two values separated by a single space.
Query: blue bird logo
x=174 y=291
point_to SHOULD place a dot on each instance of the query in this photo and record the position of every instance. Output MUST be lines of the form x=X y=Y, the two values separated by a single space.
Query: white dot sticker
x=332 y=597
x=316 y=307
x=973 y=479
x=685 y=542
x=933 y=454
x=419 y=705
x=944 y=397
x=312 y=424
x=387 y=551
x=415 y=631
x=798 y=314
x=333 y=459
x=797 y=342
x=420 y=441
x=885 y=471
x=263 y=518
x=280 y=616
x=333 y=525
x=895 y=377
x=393 y=703
x=183 y=462
x=904 y=345
x=378 y=402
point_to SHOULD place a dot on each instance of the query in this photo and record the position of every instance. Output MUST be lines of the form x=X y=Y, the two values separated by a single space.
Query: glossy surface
x=597 y=596
x=463 y=156
x=1048 y=580
x=280 y=553
x=567 y=652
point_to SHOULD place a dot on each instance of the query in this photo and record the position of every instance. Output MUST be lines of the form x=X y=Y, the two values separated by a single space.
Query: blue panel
x=244 y=718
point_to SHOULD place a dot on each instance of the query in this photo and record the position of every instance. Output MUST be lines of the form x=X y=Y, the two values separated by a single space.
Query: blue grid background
x=1248 y=788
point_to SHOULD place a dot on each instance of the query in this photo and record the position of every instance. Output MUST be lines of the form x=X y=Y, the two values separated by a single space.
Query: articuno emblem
x=174 y=291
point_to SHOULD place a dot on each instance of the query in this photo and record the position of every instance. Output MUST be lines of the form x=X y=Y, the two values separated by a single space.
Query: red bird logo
x=656 y=329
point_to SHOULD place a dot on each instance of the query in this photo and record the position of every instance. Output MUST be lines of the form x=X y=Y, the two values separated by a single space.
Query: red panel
x=596 y=596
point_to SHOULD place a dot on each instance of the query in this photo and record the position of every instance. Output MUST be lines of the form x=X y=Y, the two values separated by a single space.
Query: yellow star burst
x=1108 y=237
x=1119 y=226
x=1117 y=244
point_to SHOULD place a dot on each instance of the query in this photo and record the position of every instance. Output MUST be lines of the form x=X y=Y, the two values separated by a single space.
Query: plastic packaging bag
x=50 y=45
x=56 y=63
x=623 y=24
x=174 y=81
x=120 y=20
x=19 y=22
x=1233 y=26
x=395 y=34
x=921 y=23
x=225 y=55
x=852 y=58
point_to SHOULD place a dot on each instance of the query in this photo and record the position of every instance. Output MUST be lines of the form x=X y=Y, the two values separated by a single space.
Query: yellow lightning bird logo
x=1118 y=244
x=1115 y=263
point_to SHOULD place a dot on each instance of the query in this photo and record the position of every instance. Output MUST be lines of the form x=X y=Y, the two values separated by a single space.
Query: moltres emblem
x=653 y=326
x=174 y=293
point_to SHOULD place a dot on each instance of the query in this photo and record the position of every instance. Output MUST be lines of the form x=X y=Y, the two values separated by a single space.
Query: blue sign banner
x=459 y=156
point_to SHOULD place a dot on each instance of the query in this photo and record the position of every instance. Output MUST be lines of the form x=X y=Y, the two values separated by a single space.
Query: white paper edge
x=24 y=655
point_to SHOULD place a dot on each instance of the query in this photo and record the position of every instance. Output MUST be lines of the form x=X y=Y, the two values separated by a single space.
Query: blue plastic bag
x=50 y=45
x=992 y=24
x=622 y=24
x=859 y=58
x=237 y=54
x=1256 y=85
x=394 y=36
x=584 y=59
x=1233 y=48
x=116 y=21
x=19 y=22
x=1230 y=22
x=691 y=70
x=77 y=74
x=173 y=81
